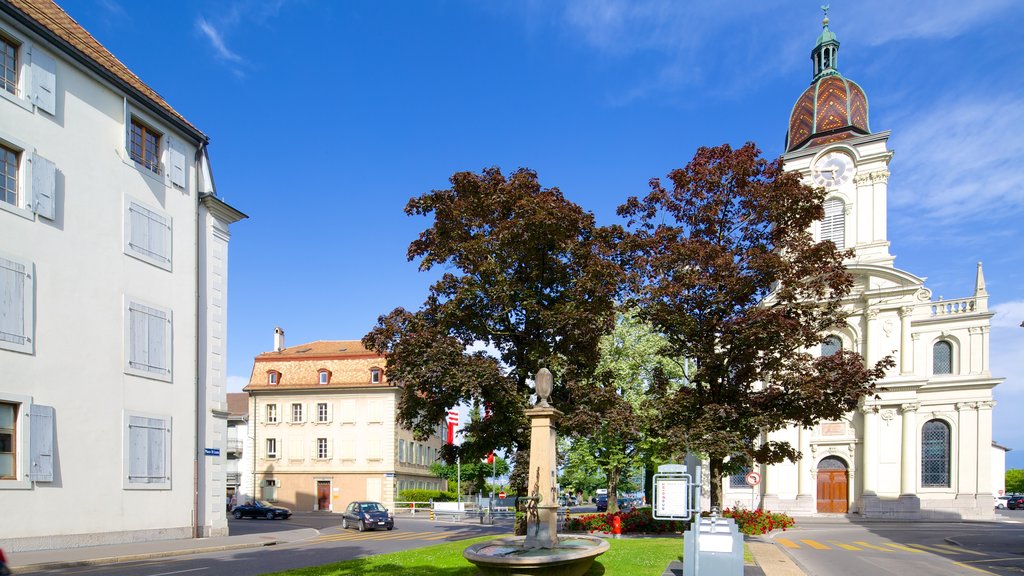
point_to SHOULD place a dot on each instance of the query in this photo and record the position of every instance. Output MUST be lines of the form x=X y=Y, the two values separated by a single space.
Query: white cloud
x=217 y=41
x=1008 y=315
x=882 y=21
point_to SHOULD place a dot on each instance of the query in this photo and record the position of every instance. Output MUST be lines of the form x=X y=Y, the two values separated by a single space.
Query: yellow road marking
x=904 y=548
x=443 y=535
x=962 y=550
x=872 y=546
x=973 y=568
x=787 y=543
x=844 y=546
x=816 y=545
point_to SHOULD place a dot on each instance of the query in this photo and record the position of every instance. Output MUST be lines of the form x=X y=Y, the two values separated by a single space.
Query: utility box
x=713 y=547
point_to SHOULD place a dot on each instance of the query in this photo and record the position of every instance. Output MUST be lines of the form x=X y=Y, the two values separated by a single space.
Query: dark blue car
x=367 y=516
x=260 y=509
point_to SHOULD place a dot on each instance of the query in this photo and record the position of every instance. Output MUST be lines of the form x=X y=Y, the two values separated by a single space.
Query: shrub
x=426 y=496
x=753 y=522
x=637 y=521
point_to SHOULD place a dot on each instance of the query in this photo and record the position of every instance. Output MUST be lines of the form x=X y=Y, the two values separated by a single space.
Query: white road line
x=178 y=572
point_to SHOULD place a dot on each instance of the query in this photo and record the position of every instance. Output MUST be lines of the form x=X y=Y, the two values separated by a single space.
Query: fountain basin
x=572 y=556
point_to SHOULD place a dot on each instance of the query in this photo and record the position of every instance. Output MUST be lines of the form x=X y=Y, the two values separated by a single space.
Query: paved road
x=332 y=544
x=824 y=548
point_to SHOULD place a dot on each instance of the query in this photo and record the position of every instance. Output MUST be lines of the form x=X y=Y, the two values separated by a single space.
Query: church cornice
x=848 y=143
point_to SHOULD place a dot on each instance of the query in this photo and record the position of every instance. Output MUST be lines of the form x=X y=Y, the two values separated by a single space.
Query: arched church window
x=935 y=455
x=942 y=358
x=831 y=345
x=832 y=463
x=739 y=479
x=833 y=226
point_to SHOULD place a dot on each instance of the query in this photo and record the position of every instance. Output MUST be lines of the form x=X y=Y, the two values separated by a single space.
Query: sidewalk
x=115 y=553
x=769 y=560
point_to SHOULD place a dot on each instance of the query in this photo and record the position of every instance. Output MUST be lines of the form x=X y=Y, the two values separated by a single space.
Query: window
x=935 y=456
x=9 y=160
x=148 y=340
x=942 y=358
x=321 y=448
x=147 y=234
x=273 y=377
x=271 y=448
x=739 y=479
x=375 y=376
x=324 y=377
x=271 y=413
x=321 y=412
x=148 y=451
x=17 y=301
x=270 y=489
x=144 y=145
x=401 y=450
x=831 y=345
x=296 y=412
x=8 y=441
x=833 y=226
x=9 y=65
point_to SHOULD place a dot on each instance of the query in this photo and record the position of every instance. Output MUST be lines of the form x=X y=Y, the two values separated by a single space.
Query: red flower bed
x=752 y=522
x=638 y=521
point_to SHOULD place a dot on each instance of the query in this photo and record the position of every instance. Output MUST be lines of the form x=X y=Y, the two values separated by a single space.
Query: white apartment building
x=325 y=431
x=113 y=283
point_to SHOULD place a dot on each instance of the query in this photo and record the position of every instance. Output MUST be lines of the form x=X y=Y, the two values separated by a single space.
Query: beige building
x=322 y=416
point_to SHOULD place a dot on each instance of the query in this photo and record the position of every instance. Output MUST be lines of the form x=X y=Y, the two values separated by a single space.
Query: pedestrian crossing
x=349 y=535
x=888 y=547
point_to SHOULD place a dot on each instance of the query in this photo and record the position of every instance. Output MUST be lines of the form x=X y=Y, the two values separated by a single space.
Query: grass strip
x=633 y=556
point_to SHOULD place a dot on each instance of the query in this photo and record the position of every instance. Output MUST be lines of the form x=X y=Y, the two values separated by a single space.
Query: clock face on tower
x=832 y=170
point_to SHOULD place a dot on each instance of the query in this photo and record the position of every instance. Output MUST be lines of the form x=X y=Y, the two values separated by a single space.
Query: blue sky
x=326 y=117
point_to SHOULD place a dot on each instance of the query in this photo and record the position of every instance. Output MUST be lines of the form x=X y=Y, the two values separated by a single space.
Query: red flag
x=490 y=458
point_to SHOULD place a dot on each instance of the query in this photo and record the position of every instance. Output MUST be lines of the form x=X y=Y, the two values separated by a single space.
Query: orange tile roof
x=238 y=403
x=56 y=21
x=334 y=348
x=347 y=361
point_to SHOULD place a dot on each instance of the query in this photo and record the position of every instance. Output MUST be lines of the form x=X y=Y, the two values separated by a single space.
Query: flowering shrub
x=752 y=522
x=637 y=521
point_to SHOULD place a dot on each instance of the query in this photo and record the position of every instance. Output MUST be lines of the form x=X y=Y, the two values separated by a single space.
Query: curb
x=144 y=556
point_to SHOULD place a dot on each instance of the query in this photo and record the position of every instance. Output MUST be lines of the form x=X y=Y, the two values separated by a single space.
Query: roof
x=320 y=348
x=238 y=403
x=52 y=19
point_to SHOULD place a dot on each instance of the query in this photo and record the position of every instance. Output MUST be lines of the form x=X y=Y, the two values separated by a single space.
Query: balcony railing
x=234 y=446
x=234 y=478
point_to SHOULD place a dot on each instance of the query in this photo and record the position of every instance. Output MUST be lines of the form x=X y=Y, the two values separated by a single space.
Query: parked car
x=4 y=570
x=1015 y=502
x=260 y=509
x=1000 y=502
x=602 y=503
x=367 y=516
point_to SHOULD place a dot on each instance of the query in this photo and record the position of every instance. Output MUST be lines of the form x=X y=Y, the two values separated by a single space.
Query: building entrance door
x=323 y=494
x=833 y=483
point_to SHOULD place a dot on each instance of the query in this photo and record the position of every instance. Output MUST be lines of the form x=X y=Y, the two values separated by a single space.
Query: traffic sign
x=501 y=494
x=753 y=478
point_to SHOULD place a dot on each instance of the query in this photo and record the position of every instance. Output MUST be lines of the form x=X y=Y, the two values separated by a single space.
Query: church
x=922 y=448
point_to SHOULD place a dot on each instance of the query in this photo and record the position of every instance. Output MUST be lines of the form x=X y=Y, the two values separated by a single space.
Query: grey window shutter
x=13 y=280
x=157 y=332
x=157 y=440
x=44 y=81
x=149 y=338
x=43 y=186
x=150 y=233
x=177 y=154
x=41 y=443
x=138 y=443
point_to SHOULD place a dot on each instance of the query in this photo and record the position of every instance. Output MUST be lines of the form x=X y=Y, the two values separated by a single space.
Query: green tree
x=475 y=474
x=724 y=265
x=610 y=428
x=529 y=276
x=1015 y=481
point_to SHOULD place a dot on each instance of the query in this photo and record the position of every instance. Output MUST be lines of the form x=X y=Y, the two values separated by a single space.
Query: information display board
x=674 y=497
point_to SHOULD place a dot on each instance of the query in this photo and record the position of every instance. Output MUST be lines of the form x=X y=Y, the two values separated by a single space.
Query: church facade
x=922 y=447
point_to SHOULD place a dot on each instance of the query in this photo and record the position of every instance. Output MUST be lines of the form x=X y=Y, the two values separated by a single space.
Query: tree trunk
x=648 y=483
x=518 y=485
x=613 y=474
x=716 y=465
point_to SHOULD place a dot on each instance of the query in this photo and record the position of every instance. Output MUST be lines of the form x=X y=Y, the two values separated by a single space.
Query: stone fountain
x=542 y=550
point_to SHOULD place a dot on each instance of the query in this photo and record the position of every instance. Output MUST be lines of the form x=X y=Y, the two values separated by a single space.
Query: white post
x=458 y=481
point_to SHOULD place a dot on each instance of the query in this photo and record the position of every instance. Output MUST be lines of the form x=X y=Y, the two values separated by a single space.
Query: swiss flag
x=490 y=458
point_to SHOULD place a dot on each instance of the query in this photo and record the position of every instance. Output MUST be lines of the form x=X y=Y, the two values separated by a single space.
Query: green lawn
x=632 y=556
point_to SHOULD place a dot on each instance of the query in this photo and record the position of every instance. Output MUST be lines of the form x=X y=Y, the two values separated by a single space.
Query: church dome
x=832 y=108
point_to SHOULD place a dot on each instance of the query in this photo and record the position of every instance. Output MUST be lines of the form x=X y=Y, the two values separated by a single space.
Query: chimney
x=278 y=339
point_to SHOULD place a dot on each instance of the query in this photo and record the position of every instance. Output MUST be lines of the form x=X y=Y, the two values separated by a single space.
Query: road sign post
x=753 y=479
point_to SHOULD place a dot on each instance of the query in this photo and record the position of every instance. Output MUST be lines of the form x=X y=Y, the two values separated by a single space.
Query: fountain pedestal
x=541 y=551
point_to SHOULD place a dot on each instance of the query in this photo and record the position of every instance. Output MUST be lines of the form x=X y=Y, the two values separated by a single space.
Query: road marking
x=459 y=535
x=933 y=549
x=178 y=572
x=872 y=546
x=787 y=543
x=844 y=546
x=904 y=548
x=816 y=545
x=959 y=549
x=973 y=568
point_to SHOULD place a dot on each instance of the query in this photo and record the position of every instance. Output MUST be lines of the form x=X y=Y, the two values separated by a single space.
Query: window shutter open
x=43 y=186
x=41 y=438
x=177 y=164
x=14 y=293
x=44 y=81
